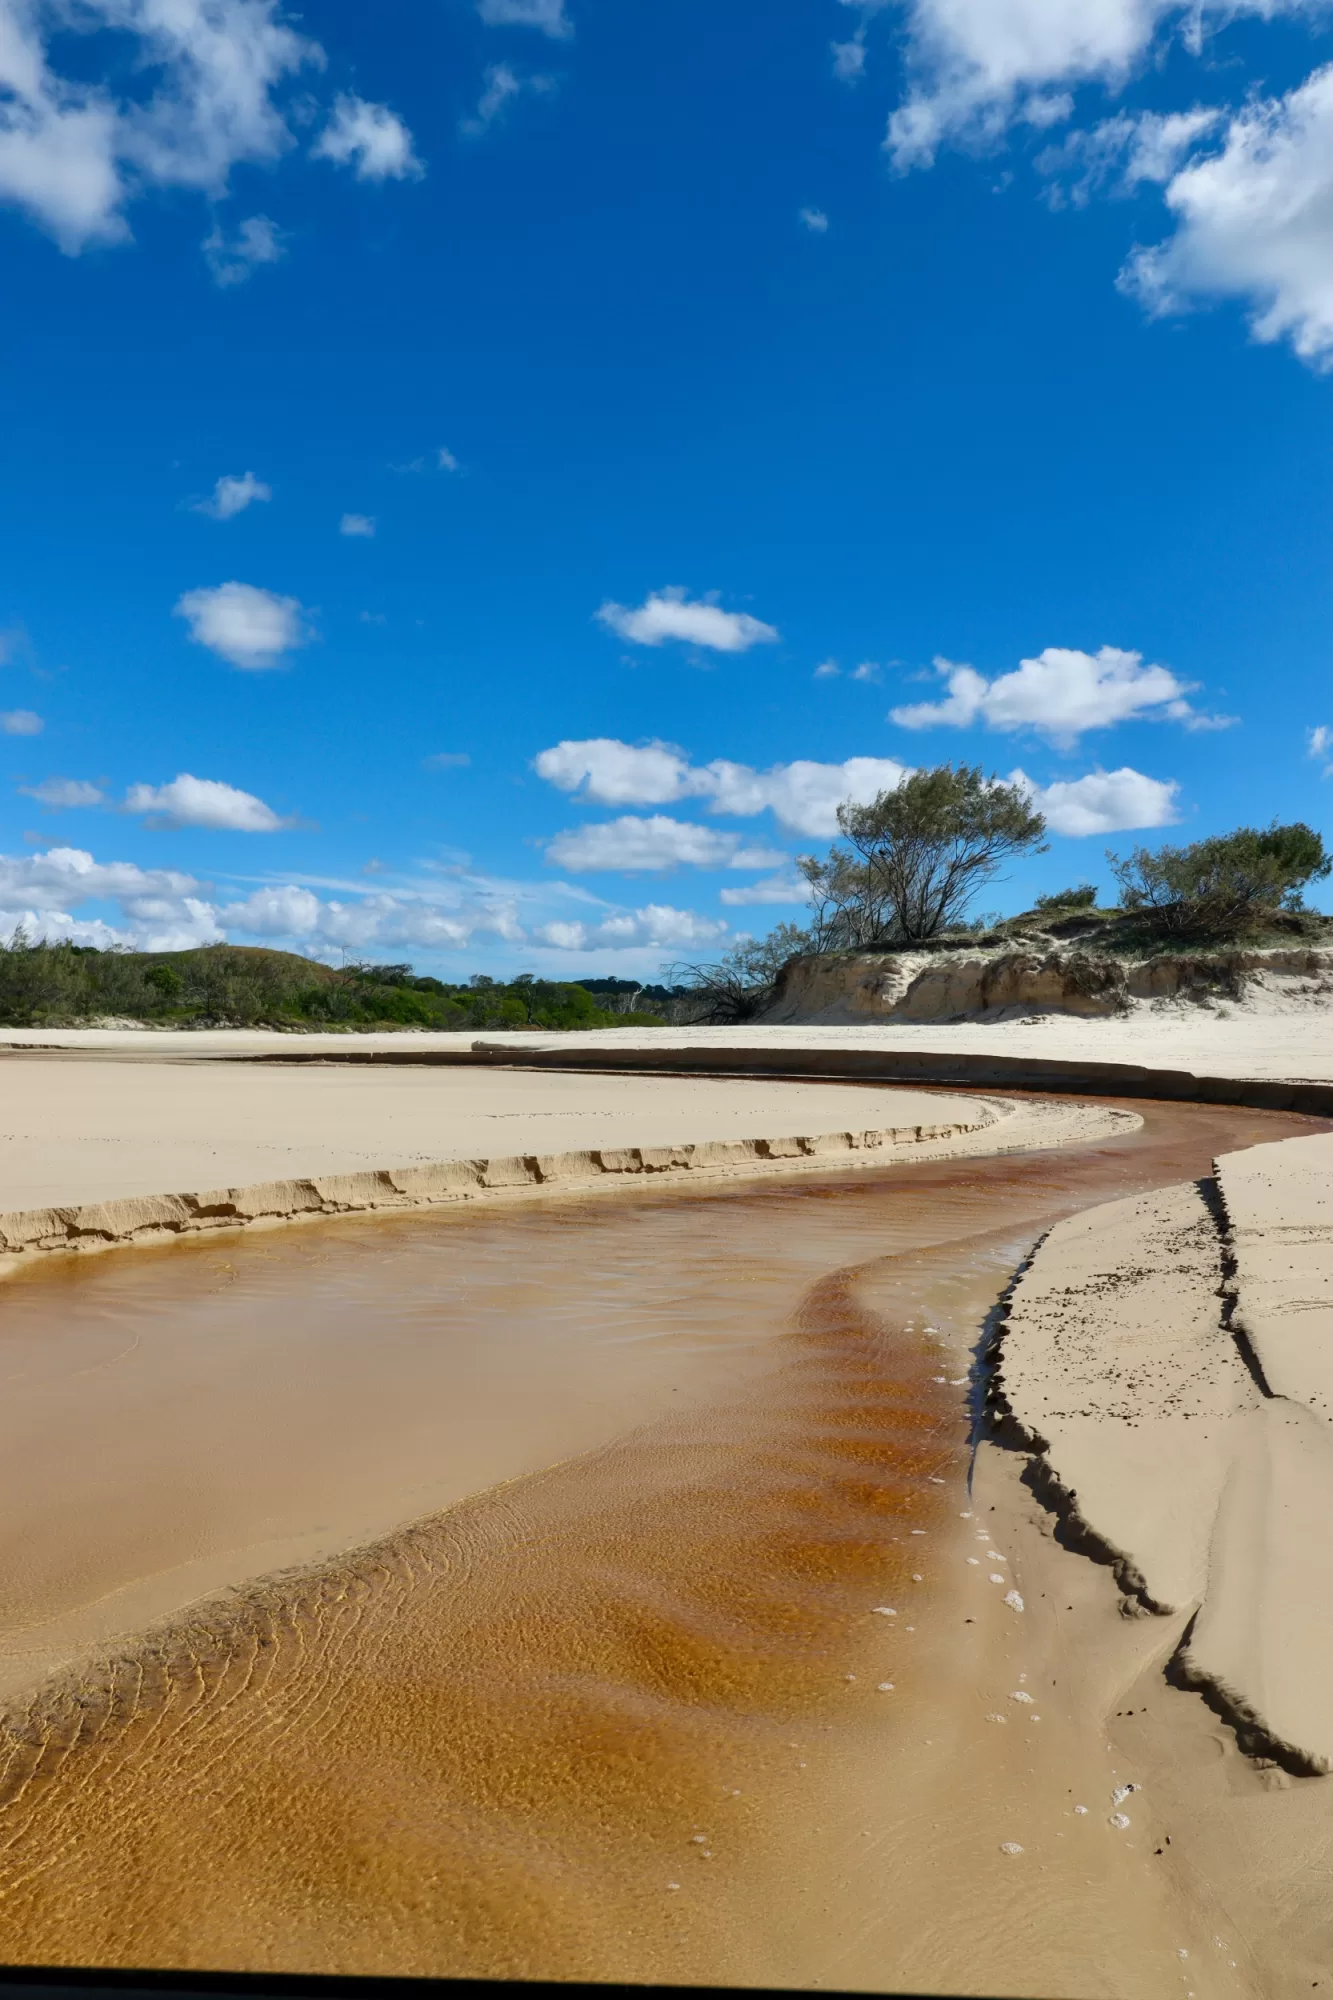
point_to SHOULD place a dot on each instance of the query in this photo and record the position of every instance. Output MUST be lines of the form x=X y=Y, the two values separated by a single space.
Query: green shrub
x=1082 y=898
x=1223 y=888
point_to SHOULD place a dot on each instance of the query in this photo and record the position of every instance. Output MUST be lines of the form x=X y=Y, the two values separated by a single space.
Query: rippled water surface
x=562 y=1726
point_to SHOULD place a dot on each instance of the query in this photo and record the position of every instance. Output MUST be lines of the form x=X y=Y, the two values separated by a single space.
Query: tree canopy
x=916 y=856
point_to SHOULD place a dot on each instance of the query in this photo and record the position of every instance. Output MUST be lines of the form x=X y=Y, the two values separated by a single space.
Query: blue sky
x=482 y=481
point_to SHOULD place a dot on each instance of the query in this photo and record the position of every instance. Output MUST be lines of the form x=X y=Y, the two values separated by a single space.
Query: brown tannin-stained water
x=573 y=1726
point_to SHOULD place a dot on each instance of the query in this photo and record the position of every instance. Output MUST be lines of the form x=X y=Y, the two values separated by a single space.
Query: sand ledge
x=138 y=1218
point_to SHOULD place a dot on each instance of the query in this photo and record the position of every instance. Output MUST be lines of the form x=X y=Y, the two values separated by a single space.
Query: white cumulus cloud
x=370 y=139
x=657 y=924
x=163 y=923
x=367 y=923
x=1254 y=222
x=196 y=98
x=163 y=909
x=252 y=628
x=66 y=876
x=630 y=845
x=21 y=722
x=803 y=795
x=357 y=524
x=670 y=614
x=548 y=16
x=231 y=495
x=815 y=220
x=1059 y=694
x=1102 y=802
x=612 y=773
x=190 y=801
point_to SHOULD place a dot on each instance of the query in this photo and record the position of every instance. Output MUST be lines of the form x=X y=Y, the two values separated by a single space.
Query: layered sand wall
x=923 y=987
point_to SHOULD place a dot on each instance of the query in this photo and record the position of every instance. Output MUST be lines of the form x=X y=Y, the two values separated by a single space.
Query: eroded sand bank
x=1171 y=1356
x=1167 y=1359
x=123 y=1152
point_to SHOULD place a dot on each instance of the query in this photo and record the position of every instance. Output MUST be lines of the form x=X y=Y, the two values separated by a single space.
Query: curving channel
x=680 y=1474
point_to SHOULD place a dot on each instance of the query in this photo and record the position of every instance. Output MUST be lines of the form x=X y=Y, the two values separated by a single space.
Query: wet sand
x=492 y=1742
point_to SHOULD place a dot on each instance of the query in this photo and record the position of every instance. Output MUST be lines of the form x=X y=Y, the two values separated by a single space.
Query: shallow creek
x=681 y=1473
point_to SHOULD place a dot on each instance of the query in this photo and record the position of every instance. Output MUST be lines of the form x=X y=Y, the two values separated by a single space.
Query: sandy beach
x=729 y=1581
x=1240 y=1039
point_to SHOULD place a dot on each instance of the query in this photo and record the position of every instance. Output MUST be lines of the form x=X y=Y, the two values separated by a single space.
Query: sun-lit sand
x=85 y=1131
x=1227 y=1040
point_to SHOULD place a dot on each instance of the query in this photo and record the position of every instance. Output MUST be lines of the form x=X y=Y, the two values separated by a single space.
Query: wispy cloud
x=64 y=794
x=657 y=925
x=772 y=890
x=632 y=846
x=548 y=16
x=500 y=86
x=256 y=241
x=231 y=495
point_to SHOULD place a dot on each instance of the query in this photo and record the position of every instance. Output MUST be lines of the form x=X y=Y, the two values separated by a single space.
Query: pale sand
x=1169 y=1360
x=88 y=1131
x=1279 y=1207
x=1206 y=1481
x=122 y=1151
x=1202 y=1039
x=1115 y=1360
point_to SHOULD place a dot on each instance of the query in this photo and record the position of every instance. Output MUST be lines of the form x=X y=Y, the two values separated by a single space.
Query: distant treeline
x=53 y=985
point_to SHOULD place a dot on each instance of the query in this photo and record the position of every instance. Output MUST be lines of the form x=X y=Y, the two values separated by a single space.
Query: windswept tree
x=916 y=856
x=907 y=868
x=742 y=982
